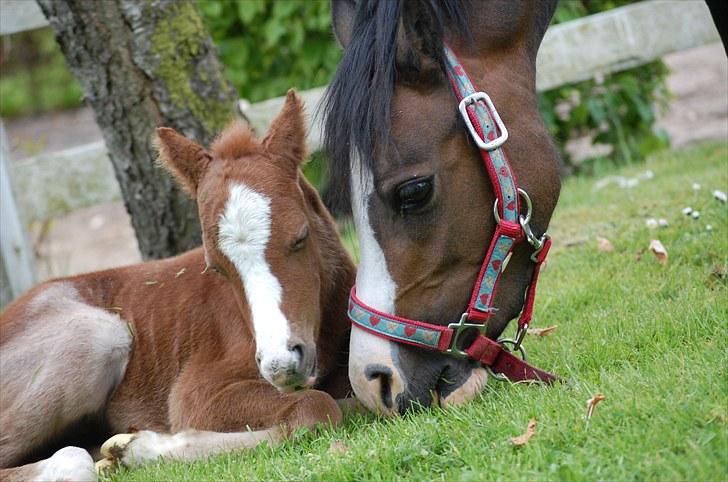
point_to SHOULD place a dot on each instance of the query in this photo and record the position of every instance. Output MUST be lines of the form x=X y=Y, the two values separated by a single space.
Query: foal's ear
x=183 y=158
x=287 y=134
x=419 y=43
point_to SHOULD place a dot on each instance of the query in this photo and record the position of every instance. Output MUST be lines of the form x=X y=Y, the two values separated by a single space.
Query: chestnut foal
x=203 y=352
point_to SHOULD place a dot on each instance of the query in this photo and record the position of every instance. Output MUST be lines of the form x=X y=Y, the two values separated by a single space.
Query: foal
x=218 y=339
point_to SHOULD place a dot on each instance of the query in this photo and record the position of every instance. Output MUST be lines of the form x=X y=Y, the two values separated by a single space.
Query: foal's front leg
x=219 y=415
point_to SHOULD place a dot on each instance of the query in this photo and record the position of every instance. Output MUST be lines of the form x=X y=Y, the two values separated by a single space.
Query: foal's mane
x=356 y=107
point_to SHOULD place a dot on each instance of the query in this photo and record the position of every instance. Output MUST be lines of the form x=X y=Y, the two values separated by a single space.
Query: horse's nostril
x=257 y=359
x=384 y=375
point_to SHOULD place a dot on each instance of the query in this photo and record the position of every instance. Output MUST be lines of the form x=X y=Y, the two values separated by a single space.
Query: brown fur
x=192 y=365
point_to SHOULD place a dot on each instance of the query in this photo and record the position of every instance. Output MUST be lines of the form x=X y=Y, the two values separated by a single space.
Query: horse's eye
x=300 y=241
x=414 y=195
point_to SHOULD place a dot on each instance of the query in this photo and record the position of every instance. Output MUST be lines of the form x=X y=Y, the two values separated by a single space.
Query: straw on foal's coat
x=170 y=346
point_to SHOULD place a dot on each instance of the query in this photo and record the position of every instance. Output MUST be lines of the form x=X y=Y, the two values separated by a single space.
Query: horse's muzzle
x=390 y=378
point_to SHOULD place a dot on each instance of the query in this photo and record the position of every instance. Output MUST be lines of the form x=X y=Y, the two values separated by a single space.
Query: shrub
x=618 y=110
x=268 y=47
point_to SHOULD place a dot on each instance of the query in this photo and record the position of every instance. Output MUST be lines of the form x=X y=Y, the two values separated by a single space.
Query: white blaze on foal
x=245 y=229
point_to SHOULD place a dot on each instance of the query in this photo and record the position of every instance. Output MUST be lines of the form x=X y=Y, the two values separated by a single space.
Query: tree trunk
x=144 y=64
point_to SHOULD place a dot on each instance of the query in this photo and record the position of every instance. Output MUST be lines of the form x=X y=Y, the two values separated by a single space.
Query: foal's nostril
x=297 y=349
x=384 y=375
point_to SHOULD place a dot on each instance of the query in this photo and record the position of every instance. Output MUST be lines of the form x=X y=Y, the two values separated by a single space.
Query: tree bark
x=144 y=64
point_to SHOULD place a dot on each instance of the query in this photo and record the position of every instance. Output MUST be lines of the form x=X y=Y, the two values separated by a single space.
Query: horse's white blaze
x=244 y=232
x=376 y=288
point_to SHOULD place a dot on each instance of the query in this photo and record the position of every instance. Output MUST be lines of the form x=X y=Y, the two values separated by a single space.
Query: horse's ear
x=286 y=137
x=419 y=42
x=342 y=14
x=183 y=158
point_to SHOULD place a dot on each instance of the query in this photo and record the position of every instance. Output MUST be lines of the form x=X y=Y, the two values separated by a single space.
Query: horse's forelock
x=357 y=103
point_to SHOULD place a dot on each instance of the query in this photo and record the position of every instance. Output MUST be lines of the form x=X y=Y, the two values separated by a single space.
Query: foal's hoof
x=115 y=448
x=105 y=466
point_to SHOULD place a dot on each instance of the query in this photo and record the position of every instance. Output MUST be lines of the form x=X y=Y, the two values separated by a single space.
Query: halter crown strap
x=489 y=132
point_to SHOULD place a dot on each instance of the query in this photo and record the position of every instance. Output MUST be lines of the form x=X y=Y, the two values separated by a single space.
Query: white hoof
x=105 y=466
x=115 y=447
x=131 y=449
x=69 y=463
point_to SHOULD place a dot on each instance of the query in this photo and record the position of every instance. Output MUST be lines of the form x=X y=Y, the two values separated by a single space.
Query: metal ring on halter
x=516 y=347
x=522 y=219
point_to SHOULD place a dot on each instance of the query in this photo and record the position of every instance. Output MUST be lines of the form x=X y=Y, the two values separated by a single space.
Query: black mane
x=357 y=103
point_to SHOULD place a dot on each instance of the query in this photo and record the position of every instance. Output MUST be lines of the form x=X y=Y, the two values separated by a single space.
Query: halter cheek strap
x=489 y=133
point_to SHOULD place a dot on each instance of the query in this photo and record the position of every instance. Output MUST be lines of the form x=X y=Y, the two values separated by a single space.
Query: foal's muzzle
x=289 y=368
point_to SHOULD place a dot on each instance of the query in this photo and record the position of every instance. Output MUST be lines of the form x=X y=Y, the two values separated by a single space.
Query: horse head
x=402 y=159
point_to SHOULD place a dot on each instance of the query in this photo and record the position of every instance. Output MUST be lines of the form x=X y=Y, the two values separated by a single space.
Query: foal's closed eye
x=300 y=241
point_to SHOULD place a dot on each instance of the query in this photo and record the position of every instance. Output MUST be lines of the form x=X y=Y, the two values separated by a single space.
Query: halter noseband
x=489 y=133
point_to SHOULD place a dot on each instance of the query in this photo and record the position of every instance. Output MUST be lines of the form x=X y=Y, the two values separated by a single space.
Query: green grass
x=651 y=338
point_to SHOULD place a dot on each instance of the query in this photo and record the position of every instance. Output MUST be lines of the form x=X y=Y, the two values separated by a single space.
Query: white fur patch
x=376 y=288
x=144 y=447
x=69 y=463
x=244 y=232
x=61 y=367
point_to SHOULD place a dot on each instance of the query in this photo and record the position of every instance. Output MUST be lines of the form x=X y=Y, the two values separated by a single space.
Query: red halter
x=489 y=133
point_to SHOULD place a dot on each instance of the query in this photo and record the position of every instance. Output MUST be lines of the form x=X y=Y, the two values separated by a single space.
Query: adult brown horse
x=172 y=347
x=403 y=160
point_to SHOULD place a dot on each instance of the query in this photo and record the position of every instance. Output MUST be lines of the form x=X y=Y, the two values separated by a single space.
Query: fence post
x=16 y=256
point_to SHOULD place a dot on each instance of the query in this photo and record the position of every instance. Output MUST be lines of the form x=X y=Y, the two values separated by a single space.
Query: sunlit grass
x=651 y=338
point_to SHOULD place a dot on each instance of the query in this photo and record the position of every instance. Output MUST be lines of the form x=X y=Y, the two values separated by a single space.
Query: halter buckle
x=458 y=329
x=482 y=143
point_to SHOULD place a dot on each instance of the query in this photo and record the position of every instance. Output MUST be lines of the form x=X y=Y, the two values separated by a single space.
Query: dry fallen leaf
x=604 y=245
x=542 y=331
x=659 y=251
x=523 y=439
x=338 y=447
x=591 y=403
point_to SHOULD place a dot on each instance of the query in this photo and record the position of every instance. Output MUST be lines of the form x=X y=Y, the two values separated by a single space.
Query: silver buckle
x=457 y=329
x=489 y=145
